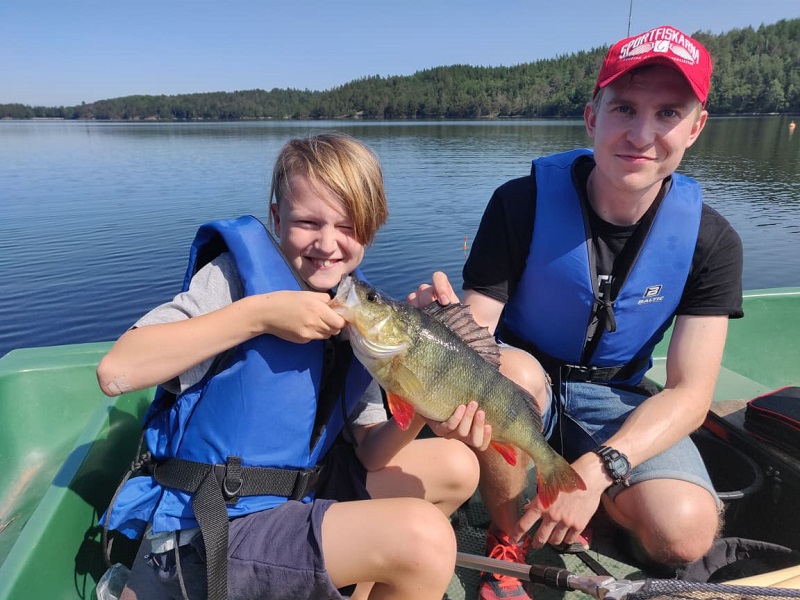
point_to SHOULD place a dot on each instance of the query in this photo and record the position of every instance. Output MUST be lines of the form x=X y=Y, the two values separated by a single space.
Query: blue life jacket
x=260 y=407
x=554 y=300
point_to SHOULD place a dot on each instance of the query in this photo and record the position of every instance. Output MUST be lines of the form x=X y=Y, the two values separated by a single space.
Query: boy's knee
x=462 y=468
x=430 y=544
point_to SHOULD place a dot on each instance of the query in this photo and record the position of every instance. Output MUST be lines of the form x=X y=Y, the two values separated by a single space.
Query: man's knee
x=686 y=536
x=701 y=525
x=524 y=370
x=674 y=526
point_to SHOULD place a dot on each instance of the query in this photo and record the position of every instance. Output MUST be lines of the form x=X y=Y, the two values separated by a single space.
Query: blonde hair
x=346 y=167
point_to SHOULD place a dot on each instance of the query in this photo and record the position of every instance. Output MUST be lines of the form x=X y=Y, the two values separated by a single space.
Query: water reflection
x=96 y=218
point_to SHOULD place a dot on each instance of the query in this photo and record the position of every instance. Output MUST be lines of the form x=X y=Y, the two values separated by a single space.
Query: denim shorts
x=591 y=413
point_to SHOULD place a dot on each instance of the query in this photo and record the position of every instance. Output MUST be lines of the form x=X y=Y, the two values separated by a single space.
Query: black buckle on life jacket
x=579 y=372
x=594 y=374
x=591 y=373
x=305 y=482
x=232 y=481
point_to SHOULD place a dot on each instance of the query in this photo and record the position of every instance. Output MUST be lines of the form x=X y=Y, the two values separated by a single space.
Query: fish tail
x=561 y=478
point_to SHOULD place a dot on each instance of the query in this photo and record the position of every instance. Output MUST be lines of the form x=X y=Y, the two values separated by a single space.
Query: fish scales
x=422 y=358
x=458 y=376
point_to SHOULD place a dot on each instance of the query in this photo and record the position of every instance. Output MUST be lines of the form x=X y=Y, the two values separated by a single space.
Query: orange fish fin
x=561 y=479
x=506 y=450
x=402 y=410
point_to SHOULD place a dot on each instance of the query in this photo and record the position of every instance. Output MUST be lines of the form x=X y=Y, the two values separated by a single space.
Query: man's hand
x=566 y=518
x=441 y=291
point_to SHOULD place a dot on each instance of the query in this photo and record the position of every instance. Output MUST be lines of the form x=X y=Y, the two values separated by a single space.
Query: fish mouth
x=346 y=283
x=346 y=303
x=345 y=298
x=366 y=349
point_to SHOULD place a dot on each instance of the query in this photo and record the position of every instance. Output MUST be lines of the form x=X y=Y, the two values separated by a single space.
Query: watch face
x=617 y=463
x=620 y=466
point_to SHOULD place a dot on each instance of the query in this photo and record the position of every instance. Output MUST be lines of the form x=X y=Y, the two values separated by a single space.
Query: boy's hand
x=467 y=424
x=301 y=316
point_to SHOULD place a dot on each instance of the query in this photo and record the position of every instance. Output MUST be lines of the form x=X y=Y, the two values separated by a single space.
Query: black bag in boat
x=775 y=418
x=734 y=557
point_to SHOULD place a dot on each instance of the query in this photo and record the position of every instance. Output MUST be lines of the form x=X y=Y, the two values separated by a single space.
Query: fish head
x=375 y=322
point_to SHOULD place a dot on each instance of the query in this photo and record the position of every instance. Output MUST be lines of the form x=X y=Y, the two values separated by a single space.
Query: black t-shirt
x=501 y=246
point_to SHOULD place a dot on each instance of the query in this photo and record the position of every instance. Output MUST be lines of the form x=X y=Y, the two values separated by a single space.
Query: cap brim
x=654 y=60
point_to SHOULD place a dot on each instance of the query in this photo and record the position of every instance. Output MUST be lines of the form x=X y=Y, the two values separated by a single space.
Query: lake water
x=96 y=218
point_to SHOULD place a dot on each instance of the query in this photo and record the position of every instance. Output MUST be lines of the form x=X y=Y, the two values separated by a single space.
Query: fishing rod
x=603 y=587
x=597 y=586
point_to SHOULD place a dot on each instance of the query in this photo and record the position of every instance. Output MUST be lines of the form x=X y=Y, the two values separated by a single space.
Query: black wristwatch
x=617 y=464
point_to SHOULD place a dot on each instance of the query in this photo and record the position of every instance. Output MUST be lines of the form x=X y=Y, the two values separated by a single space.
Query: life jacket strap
x=592 y=374
x=214 y=486
x=562 y=371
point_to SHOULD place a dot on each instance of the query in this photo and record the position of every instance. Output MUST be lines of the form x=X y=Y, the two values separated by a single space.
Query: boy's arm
x=152 y=354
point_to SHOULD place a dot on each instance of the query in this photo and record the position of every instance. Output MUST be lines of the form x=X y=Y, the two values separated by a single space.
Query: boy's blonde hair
x=346 y=167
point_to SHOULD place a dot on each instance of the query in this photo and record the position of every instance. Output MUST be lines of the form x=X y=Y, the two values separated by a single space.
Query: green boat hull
x=64 y=445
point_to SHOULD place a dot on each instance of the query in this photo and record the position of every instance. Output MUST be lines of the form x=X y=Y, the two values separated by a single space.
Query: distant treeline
x=755 y=71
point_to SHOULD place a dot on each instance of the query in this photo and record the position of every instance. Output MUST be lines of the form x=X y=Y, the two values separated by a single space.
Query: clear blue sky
x=63 y=52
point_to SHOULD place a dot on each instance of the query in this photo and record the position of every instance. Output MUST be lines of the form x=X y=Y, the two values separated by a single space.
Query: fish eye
x=372 y=296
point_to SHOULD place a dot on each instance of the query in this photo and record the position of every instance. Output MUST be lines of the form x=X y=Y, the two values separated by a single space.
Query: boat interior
x=65 y=447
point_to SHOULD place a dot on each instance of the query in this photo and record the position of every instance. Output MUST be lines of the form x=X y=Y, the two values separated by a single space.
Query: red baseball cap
x=661 y=45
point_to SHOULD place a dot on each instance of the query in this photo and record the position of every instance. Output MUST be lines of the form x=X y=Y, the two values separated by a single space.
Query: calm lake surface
x=96 y=218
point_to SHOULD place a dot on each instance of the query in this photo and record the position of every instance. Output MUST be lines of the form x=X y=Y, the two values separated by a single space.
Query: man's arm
x=486 y=311
x=693 y=362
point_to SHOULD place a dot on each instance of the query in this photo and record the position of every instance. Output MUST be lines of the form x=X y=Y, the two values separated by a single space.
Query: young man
x=583 y=264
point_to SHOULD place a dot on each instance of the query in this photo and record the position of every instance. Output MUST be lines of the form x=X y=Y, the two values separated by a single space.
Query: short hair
x=345 y=166
x=630 y=75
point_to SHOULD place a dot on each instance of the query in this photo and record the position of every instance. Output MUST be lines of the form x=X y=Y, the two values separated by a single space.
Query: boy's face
x=643 y=124
x=316 y=234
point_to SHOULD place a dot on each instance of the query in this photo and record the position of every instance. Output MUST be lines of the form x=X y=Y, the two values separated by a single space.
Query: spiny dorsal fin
x=458 y=318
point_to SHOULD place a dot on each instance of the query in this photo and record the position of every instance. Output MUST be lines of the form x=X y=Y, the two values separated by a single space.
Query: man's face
x=641 y=127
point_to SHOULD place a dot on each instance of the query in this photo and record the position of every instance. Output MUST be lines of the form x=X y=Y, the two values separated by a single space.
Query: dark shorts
x=276 y=553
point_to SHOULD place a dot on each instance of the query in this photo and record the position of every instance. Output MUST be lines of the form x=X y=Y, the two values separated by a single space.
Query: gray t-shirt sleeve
x=214 y=286
x=370 y=409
